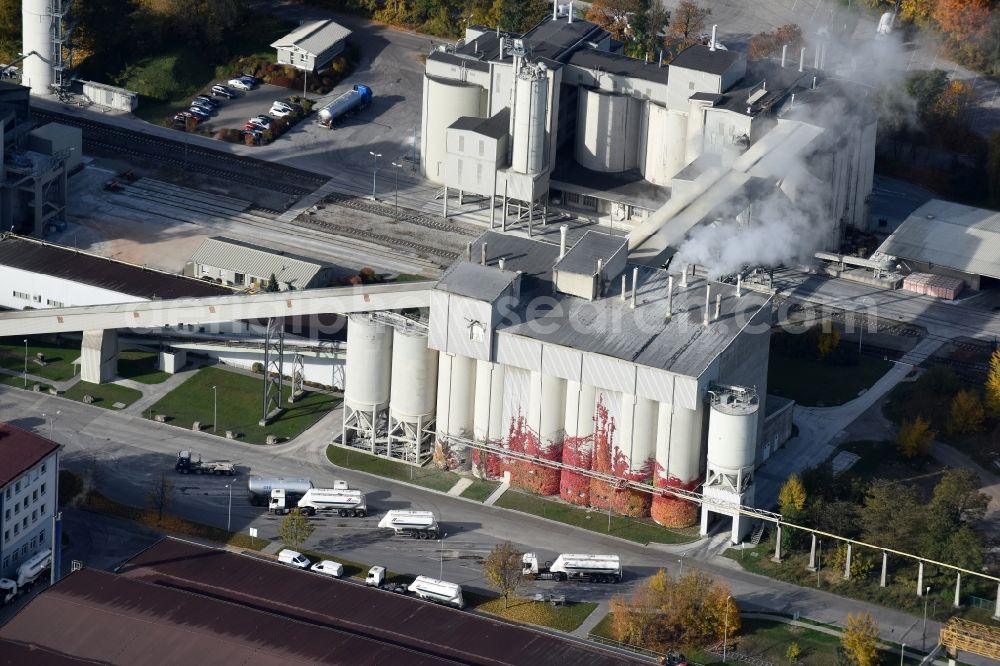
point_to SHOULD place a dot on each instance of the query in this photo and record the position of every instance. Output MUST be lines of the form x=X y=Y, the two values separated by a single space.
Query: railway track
x=367 y=206
x=341 y=230
x=117 y=141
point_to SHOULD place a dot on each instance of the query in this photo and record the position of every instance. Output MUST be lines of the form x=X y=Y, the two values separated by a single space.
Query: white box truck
x=415 y=524
x=315 y=500
x=259 y=488
x=34 y=569
x=438 y=591
x=592 y=568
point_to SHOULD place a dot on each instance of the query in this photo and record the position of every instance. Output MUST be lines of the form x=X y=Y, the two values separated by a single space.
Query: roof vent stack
x=623 y=287
x=711 y=47
x=468 y=251
x=670 y=296
x=500 y=263
x=718 y=307
x=570 y=11
x=739 y=285
x=708 y=302
x=563 y=228
x=684 y=277
x=555 y=9
x=482 y=254
x=802 y=58
x=661 y=58
x=635 y=284
x=784 y=54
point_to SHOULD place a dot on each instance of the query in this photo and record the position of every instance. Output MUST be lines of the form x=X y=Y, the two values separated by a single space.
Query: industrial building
x=573 y=355
x=187 y=603
x=946 y=239
x=236 y=263
x=29 y=468
x=556 y=117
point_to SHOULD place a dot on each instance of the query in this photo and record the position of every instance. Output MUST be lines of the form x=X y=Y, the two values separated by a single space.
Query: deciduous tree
x=917 y=12
x=962 y=20
x=687 y=22
x=828 y=343
x=161 y=495
x=957 y=495
x=613 y=15
x=768 y=44
x=915 y=437
x=993 y=384
x=503 y=568
x=892 y=515
x=954 y=102
x=860 y=639
x=967 y=413
x=295 y=528
x=792 y=496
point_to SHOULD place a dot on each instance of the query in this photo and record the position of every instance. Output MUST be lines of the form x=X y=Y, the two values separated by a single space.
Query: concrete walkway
x=60 y=385
x=460 y=486
x=151 y=393
x=497 y=494
x=592 y=620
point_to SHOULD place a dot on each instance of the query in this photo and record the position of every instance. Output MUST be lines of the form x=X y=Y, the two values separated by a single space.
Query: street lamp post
x=902 y=653
x=51 y=420
x=229 y=516
x=375 y=157
x=819 y=562
x=681 y=571
x=215 y=407
x=725 y=630
x=26 y=363
x=441 y=574
x=923 y=640
x=398 y=167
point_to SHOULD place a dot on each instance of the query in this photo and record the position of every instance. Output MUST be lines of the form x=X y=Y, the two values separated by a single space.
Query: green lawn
x=528 y=611
x=814 y=384
x=140 y=366
x=480 y=490
x=18 y=382
x=58 y=357
x=105 y=395
x=428 y=477
x=640 y=531
x=239 y=406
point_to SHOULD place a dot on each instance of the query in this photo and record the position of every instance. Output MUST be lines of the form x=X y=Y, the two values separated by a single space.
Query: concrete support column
x=737 y=533
x=531 y=210
x=996 y=607
x=493 y=210
x=958 y=590
x=920 y=579
x=777 y=543
x=847 y=564
x=885 y=568
x=812 y=554
x=446 y=201
x=99 y=356
x=704 y=531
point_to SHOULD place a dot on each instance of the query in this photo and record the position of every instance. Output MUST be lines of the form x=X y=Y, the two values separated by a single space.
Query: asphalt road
x=130 y=452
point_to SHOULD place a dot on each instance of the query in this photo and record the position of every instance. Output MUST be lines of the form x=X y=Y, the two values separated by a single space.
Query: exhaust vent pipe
x=711 y=47
x=739 y=285
x=784 y=54
x=684 y=277
x=718 y=307
x=500 y=263
x=623 y=288
x=802 y=58
x=708 y=302
x=563 y=228
x=482 y=254
x=670 y=296
x=635 y=285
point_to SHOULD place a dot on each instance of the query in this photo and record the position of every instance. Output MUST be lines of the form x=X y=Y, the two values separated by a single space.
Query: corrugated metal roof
x=582 y=257
x=483 y=283
x=20 y=450
x=421 y=628
x=258 y=261
x=622 y=65
x=951 y=235
x=118 y=620
x=703 y=59
x=495 y=126
x=69 y=264
x=315 y=37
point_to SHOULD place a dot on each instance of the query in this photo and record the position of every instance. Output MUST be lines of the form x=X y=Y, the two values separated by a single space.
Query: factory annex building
x=556 y=116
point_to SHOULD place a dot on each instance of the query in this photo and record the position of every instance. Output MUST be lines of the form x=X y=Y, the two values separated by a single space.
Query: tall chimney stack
x=784 y=54
x=670 y=295
x=802 y=58
x=482 y=254
x=635 y=284
x=563 y=228
x=708 y=301
x=718 y=306
x=711 y=47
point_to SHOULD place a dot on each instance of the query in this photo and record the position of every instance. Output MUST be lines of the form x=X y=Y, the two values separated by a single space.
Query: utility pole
x=375 y=157
x=398 y=167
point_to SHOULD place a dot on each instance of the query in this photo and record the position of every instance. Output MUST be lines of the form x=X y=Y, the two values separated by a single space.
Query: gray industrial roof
x=381 y=626
x=495 y=126
x=314 y=37
x=621 y=65
x=69 y=264
x=582 y=257
x=951 y=235
x=703 y=59
x=258 y=261
x=557 y=39
x=460 y=61
x=483 y=283
x=534 y=259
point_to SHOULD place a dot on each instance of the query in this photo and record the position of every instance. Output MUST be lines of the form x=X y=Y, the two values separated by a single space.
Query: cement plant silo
x=637 y=443
x=412 y=402
x=530 y=101
x=487 y=417
x=445 y=101
x=36 y=35
x=732 y=436
x=608 y=128
x=678 y=463
x=366 y=386
x=455 y=397
x=578 y=442
x=546 y=405
x=665 y=143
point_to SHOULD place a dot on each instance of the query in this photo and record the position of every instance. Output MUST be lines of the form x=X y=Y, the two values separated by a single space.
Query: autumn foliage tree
x=967 y=413
x=993 y=384
x=663 y=613
x=612 y=15
x=502 y=567
x=915 y=437
x=859 y=639
x=828 y=343
x=687 y=22
x=768 y=44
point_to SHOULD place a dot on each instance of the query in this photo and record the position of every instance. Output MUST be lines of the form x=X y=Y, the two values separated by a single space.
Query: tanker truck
x=259 y=489
x=350 y=102
x=592 y=568
x=414 y=524
x=28 y=574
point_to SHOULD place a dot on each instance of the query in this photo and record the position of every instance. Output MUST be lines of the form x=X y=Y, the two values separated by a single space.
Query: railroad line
x=341 y=230
x=367 y=206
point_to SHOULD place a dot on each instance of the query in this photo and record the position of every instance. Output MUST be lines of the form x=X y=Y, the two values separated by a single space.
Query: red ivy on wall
x=573 y=486
x=671 y=511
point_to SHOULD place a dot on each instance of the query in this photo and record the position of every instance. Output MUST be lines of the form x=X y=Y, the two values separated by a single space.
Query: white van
x=293 y=557
x=376 y=576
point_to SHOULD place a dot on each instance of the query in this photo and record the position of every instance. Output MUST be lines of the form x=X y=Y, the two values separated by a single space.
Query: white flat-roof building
x=239 y=264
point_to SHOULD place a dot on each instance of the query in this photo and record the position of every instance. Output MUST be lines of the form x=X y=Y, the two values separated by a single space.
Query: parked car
x=220 y=90
x=294 y=558
x=260 y=121
x=201 y=106
x=181 y=118
x=240 y=84
x=199 y=113
x=282 y=104
x=329 y=568
x=280 y=112
x=254 y=80
x=214 y=103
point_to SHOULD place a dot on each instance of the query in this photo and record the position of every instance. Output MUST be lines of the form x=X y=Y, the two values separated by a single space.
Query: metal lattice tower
x=298 y=377
x=274 y=347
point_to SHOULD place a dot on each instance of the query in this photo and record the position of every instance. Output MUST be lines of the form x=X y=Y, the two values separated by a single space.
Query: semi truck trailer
x=29 y=573
x=592 y=568
x=191 y=463
x=438 y=591
x=343 y=501
x=259 y=488
x=350 y=102
x=414 y=524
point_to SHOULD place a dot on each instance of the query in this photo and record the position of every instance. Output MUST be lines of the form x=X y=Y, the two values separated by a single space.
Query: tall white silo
x=412 y=400
x=678 y=463
x=36 y=35
x=530 y=104
x=608 y=129
x=445 y=101
x=578 y=442
x=487 y=417
x=732 y=444
x=546 y=405
x=367 y=382
x=455 y=400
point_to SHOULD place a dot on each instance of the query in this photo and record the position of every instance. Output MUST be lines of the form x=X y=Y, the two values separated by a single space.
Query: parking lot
x=233 y=113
